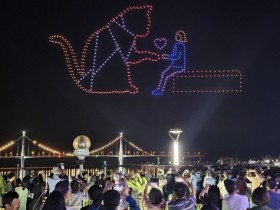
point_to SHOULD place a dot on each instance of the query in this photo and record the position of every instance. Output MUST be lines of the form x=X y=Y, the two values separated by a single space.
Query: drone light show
x=85 y=72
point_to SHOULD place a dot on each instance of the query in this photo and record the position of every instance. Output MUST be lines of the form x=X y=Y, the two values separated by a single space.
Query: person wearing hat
x=178 y=62
x=54 y=179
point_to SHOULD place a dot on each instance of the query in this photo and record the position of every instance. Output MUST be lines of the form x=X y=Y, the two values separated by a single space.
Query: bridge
x=119 y=147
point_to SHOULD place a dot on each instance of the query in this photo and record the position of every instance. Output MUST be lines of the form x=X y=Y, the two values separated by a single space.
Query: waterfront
x=94 y=163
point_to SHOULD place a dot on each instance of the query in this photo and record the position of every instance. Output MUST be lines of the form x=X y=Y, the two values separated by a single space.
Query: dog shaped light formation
x=106 y=46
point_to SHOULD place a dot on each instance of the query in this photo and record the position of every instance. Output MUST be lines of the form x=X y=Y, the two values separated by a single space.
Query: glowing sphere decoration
x=81 y=142
x=81 y=146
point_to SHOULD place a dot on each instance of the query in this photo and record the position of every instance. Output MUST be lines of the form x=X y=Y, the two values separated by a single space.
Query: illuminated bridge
x=120 y=147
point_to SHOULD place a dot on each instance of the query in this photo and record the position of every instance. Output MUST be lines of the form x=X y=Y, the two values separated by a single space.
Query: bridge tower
x=22 y=155
x=121 y=153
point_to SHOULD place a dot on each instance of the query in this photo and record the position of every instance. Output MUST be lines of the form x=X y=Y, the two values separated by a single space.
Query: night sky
x=38 y=94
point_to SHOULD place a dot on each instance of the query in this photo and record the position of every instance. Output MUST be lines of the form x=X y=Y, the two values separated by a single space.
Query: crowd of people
x=173 y=190
x=29 y=192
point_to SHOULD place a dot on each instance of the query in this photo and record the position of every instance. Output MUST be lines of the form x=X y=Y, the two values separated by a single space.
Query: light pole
x=174 y=135
x=81 y=146
x=22 y=156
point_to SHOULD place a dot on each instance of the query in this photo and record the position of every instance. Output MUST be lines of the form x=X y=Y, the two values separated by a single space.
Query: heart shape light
x=160 y=43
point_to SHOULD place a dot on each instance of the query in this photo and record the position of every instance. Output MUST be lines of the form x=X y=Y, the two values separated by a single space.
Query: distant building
x=227 y=161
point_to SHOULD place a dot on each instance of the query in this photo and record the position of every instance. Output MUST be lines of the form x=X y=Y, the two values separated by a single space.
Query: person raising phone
x=154 y=199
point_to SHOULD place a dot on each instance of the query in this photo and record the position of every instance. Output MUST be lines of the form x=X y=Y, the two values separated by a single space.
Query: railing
x=45 y=171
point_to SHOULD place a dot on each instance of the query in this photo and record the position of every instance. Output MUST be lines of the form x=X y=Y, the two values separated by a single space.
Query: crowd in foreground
x=171 y=190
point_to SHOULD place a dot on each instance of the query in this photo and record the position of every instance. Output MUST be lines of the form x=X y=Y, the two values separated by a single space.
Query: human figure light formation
x=178 y=62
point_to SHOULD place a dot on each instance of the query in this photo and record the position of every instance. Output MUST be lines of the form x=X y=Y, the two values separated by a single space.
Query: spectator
x=153 y=199
x=92 y=180
x=186 y=176
x=10 y=179
x=2 y=185
x=209 y=179
x=97 y=182
x=85 y=176
x=160 y=173
x=84 y=189
x=101 y=181
x=10 y=201
x=211 y=195
x=224 y=176
x=132 y=204
x=55 y=201
x=234 y=201
x=274 y=202
x=170 y=178
x=260 y=197
x=54 y=179
x=119 y=185
x=95 y=194
x=37 y=192
x=199 y=185
x=64 y=188
x=195 y=176
x=182 y=197
x=125 y=201
x=63 y=175
x=22 y=192
x=242 y=188
x=148 y=175
x=75 y=198
x=111 y=199
x=255 y=177
x=89 y=178
x=28 y=179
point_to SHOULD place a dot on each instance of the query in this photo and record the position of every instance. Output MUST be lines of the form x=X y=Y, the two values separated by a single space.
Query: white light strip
x=176 y=153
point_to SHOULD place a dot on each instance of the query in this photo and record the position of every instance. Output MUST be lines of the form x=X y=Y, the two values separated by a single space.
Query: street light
x=174 y=135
